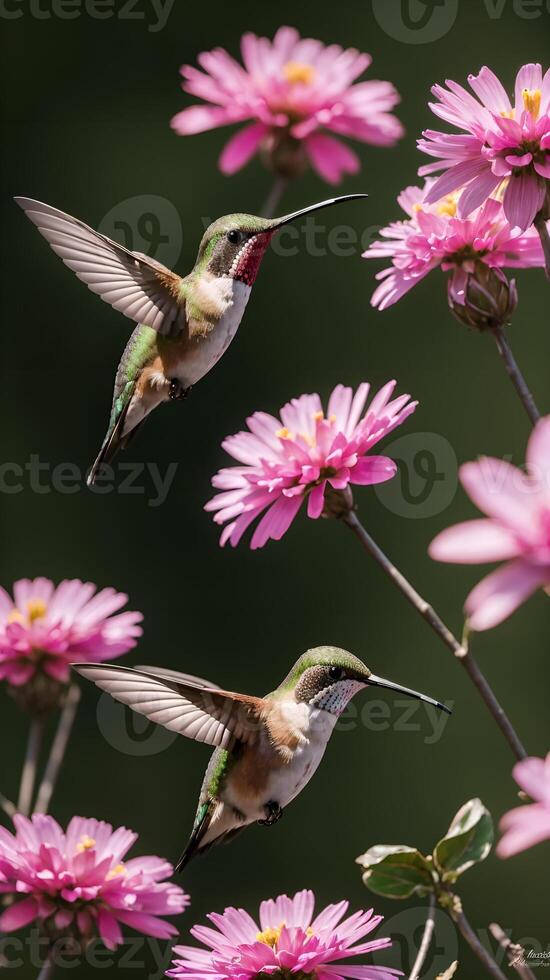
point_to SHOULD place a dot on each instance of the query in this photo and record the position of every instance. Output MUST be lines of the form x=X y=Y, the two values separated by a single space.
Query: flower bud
x=284 y=155
x=482 y=297
x=338 y=503
x=39 y=695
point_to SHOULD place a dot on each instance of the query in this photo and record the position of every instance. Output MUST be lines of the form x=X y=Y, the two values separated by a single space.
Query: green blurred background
x=87 y=105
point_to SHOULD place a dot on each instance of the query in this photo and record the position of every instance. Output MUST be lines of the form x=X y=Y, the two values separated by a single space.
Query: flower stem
x=473 y=942
x=426 y=940
x=47 y=970
x=515 y=374
x=8 y=807
x=57 y=751
x=514 y=952
x=542 y=228
x=273 y=199
x=459 y=650
x=28 y=776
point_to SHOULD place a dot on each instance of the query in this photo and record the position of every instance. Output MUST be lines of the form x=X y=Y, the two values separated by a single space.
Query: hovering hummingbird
x=267 y=749
x=184 y=324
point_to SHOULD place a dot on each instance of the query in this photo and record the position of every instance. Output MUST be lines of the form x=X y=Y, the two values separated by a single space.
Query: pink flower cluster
x=295 y=89
x=287 y=940
x=302 y=456
x=525 y=826
x=434 y=236
x=44 y=628
x=517 y=529
x=76 y=883
x=506 y=145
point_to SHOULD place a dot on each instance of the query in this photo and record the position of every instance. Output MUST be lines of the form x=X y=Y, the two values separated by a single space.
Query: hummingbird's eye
x=336 y=673
x=234 y=236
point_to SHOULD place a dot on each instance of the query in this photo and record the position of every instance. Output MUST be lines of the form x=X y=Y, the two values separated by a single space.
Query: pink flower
x=76 y=883
x=301 y=455
x=517 y=528
x=525 y=826
x=288 y=940
x=435 y=237
x=43 y=628
x=294 y=89
x=507 y=146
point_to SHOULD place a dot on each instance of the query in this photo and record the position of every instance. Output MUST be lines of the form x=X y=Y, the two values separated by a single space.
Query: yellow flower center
x=285 y=433
x=36 y=609
x=508 y=113
x=85 y=844
x=448 y=205
x=298 y=73
x=531 y=100
x=417 y=208
x=119 y=869
x=271 y=936
x=16 y=617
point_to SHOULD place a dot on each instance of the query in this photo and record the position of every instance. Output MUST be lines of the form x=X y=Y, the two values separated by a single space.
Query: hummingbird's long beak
x=287 y=218
x=382 y=682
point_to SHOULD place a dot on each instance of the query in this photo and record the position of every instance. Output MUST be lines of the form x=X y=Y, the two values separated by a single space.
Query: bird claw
x=177 y=391
x=273 y=812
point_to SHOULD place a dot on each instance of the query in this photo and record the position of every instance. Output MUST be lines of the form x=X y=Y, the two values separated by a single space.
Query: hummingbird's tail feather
x=217 y=823
x=193 y=845
x=114 y=441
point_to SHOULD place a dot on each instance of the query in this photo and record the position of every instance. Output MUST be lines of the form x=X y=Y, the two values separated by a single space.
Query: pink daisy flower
x=295 y=90
x=302 y=455
x=287 y=940
x=434 y=236
x=44 y=628
x=77 y=884
x=517 y=528
x=525 y=826
x=506 y=146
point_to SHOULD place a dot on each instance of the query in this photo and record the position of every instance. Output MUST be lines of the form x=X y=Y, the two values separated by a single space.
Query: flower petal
x=480 y=541
x=241 y=147
x=331 y=158
x=499 y=595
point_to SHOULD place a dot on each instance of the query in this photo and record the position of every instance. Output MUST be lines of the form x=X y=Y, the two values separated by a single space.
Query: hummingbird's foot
x=273 y=813
x=177 y=391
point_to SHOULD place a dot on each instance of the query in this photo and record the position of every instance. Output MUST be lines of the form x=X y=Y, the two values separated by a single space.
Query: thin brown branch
x=427 y=937
x=515 y=953
x=475 y=945
x=273 y=199
x=542 y=227
x=57 y=751
x=515 y=375
x=429 y=614
x=28 y=775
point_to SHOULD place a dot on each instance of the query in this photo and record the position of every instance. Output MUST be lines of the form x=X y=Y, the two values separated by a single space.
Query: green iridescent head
x=235 y=244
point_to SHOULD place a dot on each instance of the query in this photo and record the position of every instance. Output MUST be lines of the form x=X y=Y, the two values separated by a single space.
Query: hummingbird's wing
x=175 y=675
x=219 y=718
x=137 y=286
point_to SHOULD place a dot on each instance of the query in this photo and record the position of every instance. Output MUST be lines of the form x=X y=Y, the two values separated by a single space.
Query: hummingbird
x=184 y=324
x=266 y=749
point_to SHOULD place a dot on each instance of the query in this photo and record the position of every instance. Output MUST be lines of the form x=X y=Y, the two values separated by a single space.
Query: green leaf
x=396 y=871
x=467 y=841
